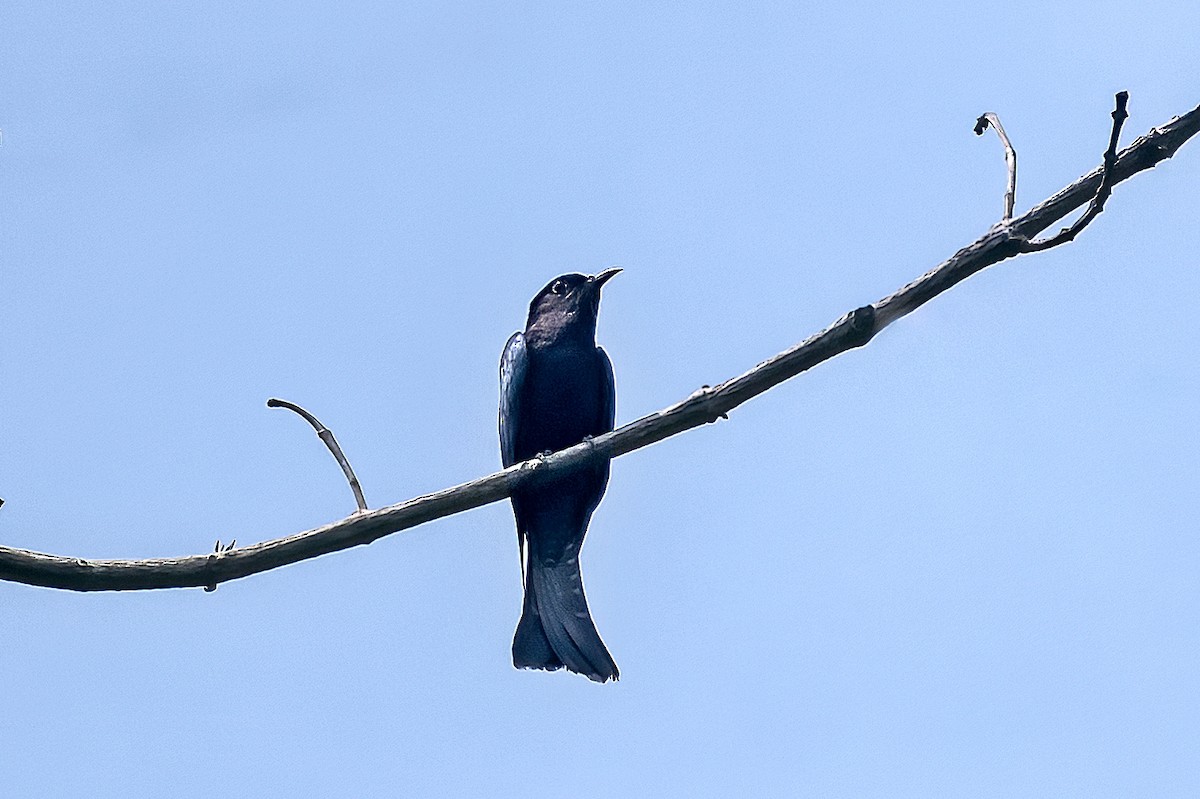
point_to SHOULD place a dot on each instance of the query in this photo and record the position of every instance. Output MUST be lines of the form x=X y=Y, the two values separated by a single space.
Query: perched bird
x=556 y=389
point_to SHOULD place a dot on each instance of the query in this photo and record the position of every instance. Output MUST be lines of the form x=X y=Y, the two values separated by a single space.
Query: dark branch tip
x=1121 y=112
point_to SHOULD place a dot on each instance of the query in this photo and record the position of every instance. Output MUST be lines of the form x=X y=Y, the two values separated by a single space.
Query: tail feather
x=531 y=648
x=556 y=628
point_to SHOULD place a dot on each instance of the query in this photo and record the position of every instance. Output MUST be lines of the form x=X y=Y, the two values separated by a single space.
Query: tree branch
x=1010 y=160
x=855 y=329
x=326 y=435
x=1119 y=116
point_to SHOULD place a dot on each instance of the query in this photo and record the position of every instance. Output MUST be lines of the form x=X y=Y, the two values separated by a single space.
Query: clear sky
x=961 y=561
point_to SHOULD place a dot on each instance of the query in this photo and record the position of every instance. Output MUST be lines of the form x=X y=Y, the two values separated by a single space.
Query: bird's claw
x=538 y=459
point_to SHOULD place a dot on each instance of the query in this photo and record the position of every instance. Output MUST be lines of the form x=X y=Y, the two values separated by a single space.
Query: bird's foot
x=537 y=460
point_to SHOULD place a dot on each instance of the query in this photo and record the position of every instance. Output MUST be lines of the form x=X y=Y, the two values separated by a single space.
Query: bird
x=557 y=390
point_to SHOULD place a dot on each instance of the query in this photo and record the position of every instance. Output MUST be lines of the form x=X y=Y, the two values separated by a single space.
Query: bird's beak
x=599 y=280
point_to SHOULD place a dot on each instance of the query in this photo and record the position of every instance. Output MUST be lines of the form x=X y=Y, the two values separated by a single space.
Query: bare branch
x=855 y=329
x=326 y=435
x=1010 y=159
x=1119 y=116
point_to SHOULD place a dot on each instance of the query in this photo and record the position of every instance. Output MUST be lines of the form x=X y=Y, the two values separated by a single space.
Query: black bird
x=556 y=389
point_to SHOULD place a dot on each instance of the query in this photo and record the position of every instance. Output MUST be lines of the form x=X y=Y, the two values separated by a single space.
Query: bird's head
x=568 y=302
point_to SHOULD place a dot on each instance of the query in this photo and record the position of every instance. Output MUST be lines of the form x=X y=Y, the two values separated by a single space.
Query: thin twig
x=852 y=330
x=326 y=435
x=1119 y=115
x=218 y=550
x=1010 y=159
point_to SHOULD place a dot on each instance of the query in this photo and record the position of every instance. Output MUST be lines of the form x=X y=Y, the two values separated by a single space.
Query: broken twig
x=326 y=435
x=1010 y=159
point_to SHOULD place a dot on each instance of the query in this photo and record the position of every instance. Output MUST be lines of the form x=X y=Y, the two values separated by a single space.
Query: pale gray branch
x=1010 y=160
x=326 y=435
x=706 y=405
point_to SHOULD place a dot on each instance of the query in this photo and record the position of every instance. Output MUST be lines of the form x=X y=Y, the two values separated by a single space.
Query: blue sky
x=960 y=561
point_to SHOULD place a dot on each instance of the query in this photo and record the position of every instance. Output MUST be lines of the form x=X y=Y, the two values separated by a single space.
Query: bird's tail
x=556 y=628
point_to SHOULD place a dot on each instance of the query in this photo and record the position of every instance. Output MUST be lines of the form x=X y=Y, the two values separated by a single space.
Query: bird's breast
x=563 y=398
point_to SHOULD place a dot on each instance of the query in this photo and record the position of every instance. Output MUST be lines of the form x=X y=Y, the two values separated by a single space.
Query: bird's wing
x=513 y=365
x=609 y=408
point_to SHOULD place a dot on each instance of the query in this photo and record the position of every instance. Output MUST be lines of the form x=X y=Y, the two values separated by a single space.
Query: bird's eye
x=559 y=287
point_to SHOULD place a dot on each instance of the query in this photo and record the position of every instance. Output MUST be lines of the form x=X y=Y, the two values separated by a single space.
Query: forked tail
x=556 y=627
